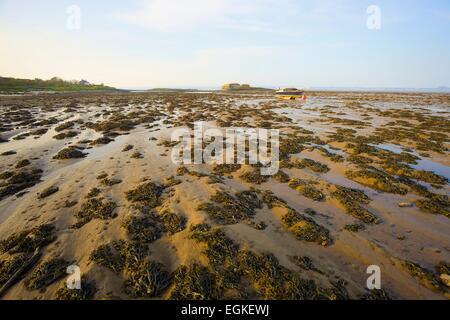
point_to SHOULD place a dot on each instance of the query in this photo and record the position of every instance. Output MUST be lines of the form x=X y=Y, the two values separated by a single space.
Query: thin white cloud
x=175 y=14
x=179 y=15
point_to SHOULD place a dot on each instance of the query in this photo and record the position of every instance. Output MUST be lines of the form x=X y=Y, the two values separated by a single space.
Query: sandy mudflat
x=363 y=181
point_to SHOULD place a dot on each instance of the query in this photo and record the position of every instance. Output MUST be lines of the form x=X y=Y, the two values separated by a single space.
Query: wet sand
x=392 y=147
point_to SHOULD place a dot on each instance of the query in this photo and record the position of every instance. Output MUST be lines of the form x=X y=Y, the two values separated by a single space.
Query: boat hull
x=290 y=97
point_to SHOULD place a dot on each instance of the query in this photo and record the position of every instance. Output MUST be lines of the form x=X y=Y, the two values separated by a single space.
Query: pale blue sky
x=195 y=43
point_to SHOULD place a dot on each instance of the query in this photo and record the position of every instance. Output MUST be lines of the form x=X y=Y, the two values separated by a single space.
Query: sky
x=206 y=43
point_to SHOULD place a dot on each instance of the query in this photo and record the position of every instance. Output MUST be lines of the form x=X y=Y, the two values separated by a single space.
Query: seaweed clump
x=106 y=257
x=314 y=166
x=274 y=282
x=8 y=267
x=306 y=229
x=102 y=141
x=225 y=169
x=128 y=147
x=305 y=263
x=148 y=194
x=144 y=278
x=376 y=294
x=137 y=155
x=352 y=199
x=221 y=252
x=220 y=249
x=110 y=182
x=147 y=279
x=87 y=291
x=426 y=277
x=228 y=209
x=306 y=189
x=23 y=163
x=29 y=240
x=254 y=176
x=47 y=273
x=65 y=126
x=194 y=282
x=378 y=180
x=18 y=181
x=354 y=227
x=437 y=204
x=272 y=201
x=94 y=192
x=69 y=153
x=151 y=227
x=143 y=229
x=119 y=255
x=65 y=135
x=172 y=222
x=95 y=208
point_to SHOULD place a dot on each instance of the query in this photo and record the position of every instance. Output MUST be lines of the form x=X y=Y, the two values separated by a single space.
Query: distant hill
x=12 y=85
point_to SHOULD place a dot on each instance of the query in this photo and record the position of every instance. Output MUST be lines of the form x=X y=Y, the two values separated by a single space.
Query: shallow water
x=429 y=165
x=422 y=164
